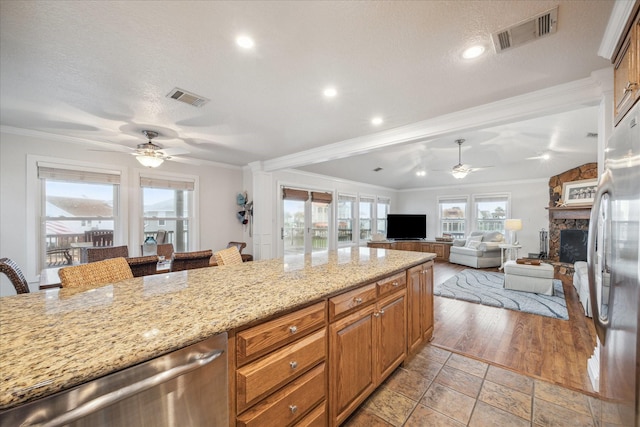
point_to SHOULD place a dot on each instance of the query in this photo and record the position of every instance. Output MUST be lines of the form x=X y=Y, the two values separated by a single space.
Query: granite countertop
x=55 y=339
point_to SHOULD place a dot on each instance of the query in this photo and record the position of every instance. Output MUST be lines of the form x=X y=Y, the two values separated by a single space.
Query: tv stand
x=441 y=249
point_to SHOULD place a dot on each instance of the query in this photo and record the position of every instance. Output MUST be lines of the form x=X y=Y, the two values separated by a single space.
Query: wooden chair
x=229 y=256
x=95 y=274
x=99 y=238
x=143 y=265
x=99 y=254
x=161 y=237
x=14 y=273
x=189 y=260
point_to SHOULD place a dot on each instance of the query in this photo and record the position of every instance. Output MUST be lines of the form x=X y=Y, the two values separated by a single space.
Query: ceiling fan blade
x=175 y=151
x=186 y=160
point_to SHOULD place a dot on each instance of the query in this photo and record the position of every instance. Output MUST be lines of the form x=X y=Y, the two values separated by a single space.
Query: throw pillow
x=493 y=236
x=473 y=241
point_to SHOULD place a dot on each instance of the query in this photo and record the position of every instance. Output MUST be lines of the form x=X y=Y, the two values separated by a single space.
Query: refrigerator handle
x=604 y=187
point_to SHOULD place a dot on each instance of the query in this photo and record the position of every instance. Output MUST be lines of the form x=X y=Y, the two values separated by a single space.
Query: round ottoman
x=529 y=278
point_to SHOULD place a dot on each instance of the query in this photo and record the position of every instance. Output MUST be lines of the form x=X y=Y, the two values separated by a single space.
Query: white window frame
x=371 y=198
x=354 y=220
x=136 y=229
x=450 y=199
x=483 y=197
x=382 y=201
x=34 y=204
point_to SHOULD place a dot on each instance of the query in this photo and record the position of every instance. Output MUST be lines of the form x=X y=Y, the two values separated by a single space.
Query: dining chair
x=99 y=254
x=161 y=236
x=229 y=256
x=143 y=265
x=14 y=273
x=189 y=260
x=95 y=274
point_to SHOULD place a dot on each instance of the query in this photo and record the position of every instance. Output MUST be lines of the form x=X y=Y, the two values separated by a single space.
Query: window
x=366 y=217
x=453 y=216
x=490 y=212
x=346 y=218
x=169 y=201
x=75 y=203
x=382 y=210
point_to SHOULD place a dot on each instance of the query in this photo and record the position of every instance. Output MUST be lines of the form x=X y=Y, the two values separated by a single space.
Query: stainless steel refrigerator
x=614 y=235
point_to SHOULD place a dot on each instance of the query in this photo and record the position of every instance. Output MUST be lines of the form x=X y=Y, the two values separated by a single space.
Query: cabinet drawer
x=256 y=380
x=289 y=405
x=392 y=284
x=354 y=299
x=268 y=336
x=316 y=418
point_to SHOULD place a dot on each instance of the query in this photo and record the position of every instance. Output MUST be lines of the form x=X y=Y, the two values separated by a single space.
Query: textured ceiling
x=101 y=71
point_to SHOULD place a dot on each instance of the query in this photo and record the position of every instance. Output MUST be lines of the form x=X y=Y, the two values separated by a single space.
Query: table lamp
x=513 y=225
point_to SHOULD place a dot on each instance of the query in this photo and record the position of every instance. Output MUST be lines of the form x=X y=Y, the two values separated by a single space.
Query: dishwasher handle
x=117 y=395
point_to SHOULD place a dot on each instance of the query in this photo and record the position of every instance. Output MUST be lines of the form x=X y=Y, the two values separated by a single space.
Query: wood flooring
x=541 y=347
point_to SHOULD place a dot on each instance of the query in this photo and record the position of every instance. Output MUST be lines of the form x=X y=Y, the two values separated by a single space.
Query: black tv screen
x=406 y=226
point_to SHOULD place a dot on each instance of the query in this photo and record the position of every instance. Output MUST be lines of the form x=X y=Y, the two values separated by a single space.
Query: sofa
x=581 y=283
x=479 y=250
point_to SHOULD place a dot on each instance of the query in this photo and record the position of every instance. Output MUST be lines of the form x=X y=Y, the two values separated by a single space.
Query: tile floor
x=439 y=388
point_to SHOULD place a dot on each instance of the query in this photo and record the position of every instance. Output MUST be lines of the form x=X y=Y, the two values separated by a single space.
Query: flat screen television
x=406 y=226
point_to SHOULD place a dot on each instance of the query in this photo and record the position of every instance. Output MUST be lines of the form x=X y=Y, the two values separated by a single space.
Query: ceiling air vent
x=533 y=28
x=378 y=169
x=187 y=97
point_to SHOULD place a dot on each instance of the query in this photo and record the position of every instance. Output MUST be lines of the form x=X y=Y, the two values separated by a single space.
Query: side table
x=508 y=248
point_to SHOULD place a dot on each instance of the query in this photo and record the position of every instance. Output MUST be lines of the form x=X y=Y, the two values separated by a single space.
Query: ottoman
x=529 y=278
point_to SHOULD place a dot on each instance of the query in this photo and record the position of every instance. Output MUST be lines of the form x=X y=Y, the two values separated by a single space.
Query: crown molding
x=497 y=184
x=617 y=22
x=560 y=98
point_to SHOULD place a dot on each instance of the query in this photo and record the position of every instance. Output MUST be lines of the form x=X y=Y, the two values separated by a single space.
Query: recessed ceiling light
x=545 y=156
x=376 y=121
x=330 y=92
x=245 y=42
x=421 y=172
x=473 y=52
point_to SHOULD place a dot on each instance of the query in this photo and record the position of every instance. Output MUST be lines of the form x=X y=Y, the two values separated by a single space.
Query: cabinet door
x=626 y=77
x=407 y=246
x=414 y=307
x=391 y=334
x=427 y=300
x=351 y=368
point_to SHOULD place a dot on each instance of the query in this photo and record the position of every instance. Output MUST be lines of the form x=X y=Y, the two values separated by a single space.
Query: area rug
x=485 y=287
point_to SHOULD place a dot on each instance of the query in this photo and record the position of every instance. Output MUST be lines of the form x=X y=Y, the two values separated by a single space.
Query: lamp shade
x=513 y=224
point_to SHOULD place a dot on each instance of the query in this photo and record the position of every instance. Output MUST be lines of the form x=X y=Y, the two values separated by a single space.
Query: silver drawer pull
x=358 y=300
x=376 y=314
x=293 y=409
x=293 y=329
x=293 y=364
x=381 y=312
x=395 y=283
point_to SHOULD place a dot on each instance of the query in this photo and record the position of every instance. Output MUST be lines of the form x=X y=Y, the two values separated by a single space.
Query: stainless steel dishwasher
x=187 y=387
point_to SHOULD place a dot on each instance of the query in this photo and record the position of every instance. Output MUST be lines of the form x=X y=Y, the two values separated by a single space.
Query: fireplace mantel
x=570 y=212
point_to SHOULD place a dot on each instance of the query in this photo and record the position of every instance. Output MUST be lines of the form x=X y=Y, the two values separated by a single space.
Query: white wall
x=528 y=202
x=217 y=209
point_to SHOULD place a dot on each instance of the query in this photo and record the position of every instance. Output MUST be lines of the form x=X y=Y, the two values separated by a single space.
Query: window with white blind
x=453 y=216
x=168 y=206
x=78 y=206
x=382 y=210
x=346 y=218
x=366 y=215
x=490 y=211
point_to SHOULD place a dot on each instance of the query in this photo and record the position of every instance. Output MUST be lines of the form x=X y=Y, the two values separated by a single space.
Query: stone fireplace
x=571 y=218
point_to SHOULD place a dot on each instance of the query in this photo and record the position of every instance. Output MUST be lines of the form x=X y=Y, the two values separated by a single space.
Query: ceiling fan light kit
x=148 y=153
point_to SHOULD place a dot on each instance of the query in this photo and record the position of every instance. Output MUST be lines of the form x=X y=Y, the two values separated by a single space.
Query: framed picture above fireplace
x=579 y=193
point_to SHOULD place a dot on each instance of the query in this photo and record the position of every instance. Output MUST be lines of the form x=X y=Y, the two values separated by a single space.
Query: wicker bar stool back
x=95 y=274
x=99 y=254
x=143 y=265
x=13 y=272
x=189 y=260
x=229 y=256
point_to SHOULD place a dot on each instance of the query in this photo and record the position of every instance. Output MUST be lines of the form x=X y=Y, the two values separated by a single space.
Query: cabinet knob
x=395 y=283
x=376 y=314
x=358 y=300
x=293 y=329
x=628 y=87
x=381 y=312
x=293 y=364
x=293 y=409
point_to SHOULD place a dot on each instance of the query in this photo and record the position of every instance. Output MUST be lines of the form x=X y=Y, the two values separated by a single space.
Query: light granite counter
x=55 y=339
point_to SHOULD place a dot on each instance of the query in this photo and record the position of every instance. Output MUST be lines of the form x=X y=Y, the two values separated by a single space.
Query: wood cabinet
x=280 y=370
x=420 y=305
x=366 y=343
x=441 y=249
x=626 y=77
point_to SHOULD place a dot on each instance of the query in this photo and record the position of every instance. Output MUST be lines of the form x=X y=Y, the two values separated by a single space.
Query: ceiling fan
x=150 y=154
x=460 y=171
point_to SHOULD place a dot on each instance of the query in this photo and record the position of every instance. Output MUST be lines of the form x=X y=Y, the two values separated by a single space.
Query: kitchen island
x=56 y=339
